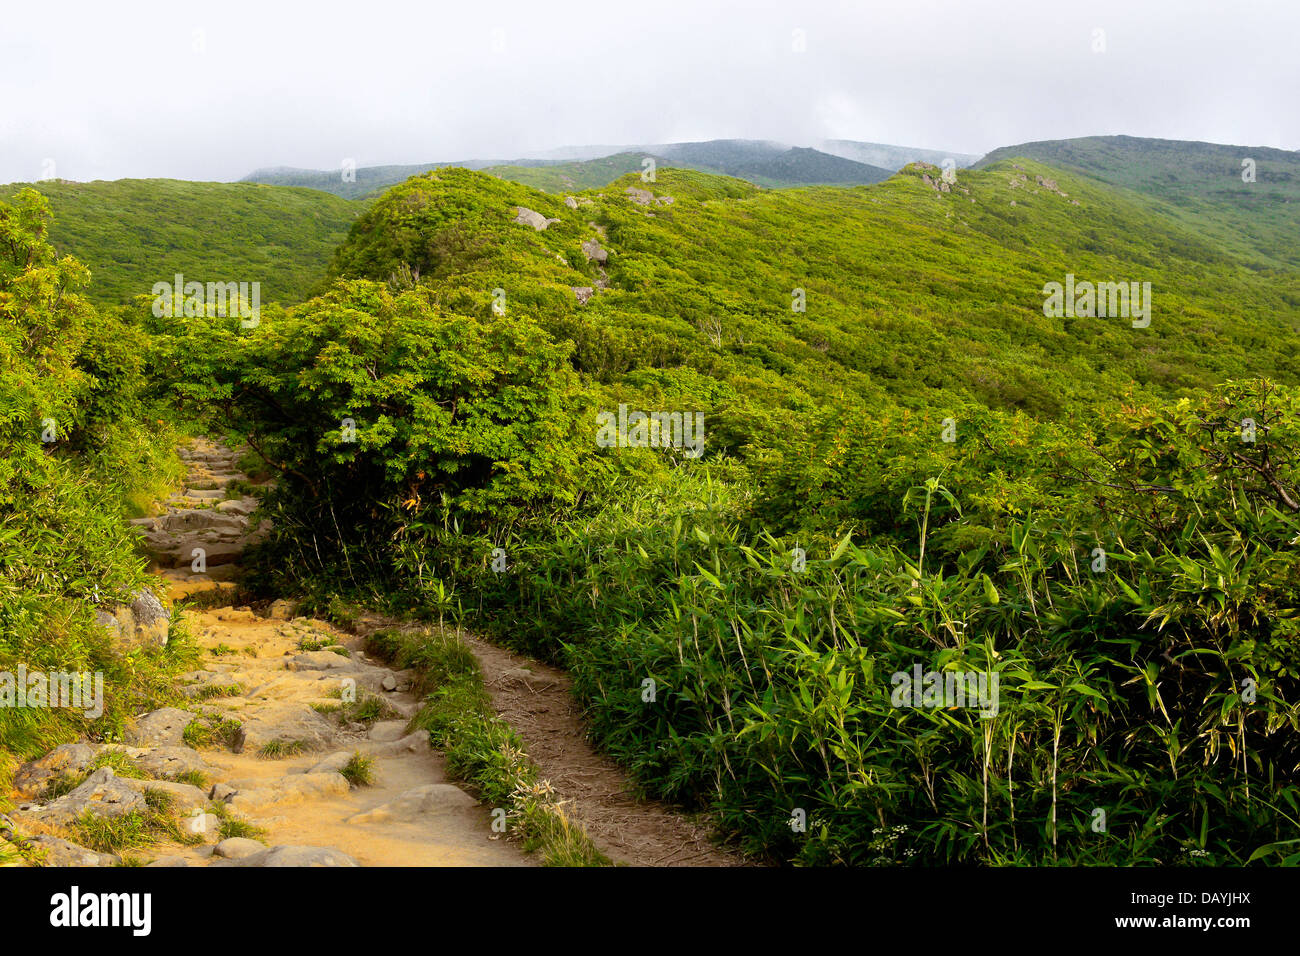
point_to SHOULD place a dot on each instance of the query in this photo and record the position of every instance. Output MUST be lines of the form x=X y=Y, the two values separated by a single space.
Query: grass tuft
x=279 y=749
x=359 y=771
x=203 y=734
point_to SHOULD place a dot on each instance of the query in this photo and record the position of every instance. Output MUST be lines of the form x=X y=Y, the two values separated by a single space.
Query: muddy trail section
x=295 y=747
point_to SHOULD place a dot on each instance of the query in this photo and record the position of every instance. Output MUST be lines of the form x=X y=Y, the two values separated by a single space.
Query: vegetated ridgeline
x=296 y=751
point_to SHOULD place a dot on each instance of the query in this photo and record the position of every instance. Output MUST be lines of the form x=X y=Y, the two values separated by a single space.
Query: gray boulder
x=288 y=722
x=529 y=217
x=292 y=856
x=282 y=610
x=164 y=727
x=429 y=800
x=184 y=796
x=168 y=762
x=152 y=620
x=60 y=852
x=334 y=763
x=237 y=848
x=142 y=623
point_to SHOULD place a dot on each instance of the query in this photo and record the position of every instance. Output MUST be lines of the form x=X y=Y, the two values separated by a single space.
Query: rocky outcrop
x=33 y=777
x=103 y=794
x=529 y=217
x=165 y=763
x=938 y=185
x=157 y=763
x=644 y=197
x=144 y=622
x=1051 y=186
x=288 y=722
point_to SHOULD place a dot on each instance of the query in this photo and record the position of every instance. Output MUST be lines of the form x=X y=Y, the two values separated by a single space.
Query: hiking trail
x=285 y=708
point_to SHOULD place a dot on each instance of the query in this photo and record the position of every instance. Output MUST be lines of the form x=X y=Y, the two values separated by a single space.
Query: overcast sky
x=211 y=91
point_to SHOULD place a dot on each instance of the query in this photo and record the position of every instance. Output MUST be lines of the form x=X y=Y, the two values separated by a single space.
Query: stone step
x=180 y=554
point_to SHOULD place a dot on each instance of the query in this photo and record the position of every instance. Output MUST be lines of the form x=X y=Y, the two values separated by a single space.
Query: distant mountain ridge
x=768 y=163
x=764 y=162
x=893 y=157
x=351 y=183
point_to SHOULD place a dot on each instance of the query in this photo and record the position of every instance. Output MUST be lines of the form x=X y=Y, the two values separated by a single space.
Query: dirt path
x=537 y=701
x=288 y=714
x=288 y=672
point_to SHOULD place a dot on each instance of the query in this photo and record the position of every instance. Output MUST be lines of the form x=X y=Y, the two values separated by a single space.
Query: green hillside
x=903 y=464
x=912 y=294
x=132 y=233
x=1198 y=184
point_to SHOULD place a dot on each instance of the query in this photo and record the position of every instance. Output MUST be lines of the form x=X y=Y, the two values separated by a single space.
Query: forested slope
x=132 y=233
